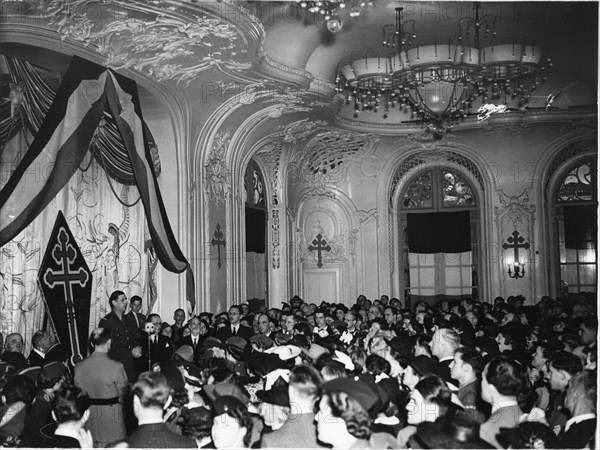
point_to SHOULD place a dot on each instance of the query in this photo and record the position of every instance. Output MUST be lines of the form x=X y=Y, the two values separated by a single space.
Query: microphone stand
x=149 y=359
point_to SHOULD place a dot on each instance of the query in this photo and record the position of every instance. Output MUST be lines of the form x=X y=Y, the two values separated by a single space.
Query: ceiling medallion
x=442 y=82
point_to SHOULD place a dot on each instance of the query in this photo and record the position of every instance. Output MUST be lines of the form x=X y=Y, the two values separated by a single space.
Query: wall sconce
x=515 y=242
x=518 y=270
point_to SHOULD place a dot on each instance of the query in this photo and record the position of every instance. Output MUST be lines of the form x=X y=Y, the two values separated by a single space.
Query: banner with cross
x=66 y=283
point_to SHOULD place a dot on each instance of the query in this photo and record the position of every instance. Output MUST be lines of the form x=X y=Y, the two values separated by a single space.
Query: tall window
x=438 y=220
x=256 y=235
x=575 y=208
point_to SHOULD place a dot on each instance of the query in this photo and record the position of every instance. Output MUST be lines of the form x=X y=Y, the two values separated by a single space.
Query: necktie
x=234 y=330
x=154 y=339
x=195 y=342
x=137 y=321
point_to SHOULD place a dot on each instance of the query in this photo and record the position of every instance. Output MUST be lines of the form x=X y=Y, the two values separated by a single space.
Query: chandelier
x=330 y=10
x=439 y=83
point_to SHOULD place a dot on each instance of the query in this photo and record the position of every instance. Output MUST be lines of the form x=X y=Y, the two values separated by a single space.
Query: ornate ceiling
x=184 y=44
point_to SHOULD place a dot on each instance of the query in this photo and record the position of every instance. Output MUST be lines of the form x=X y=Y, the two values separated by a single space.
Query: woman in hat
x=430 y=399
x=232 y=423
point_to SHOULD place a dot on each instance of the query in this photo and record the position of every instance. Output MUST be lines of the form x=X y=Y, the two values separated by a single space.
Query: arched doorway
x=439 y=235
x=256 y=236
x=573 y=222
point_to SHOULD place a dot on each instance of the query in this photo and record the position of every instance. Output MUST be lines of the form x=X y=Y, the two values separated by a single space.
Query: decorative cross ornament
x=516 y=241
x=218 y=241
x=319 y=244
x=64 y=255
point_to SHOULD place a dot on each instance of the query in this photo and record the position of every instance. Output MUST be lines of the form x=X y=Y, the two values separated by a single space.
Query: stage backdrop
x=108 y=222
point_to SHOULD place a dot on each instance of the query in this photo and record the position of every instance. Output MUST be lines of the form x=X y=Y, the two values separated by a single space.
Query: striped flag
x=63 y=141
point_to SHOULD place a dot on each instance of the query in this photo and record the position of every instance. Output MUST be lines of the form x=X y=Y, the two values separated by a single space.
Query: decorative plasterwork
x=514 y=208
x=217 y=179
x=157 y=37
x=322 y=221
x=270 y=155
x=325 y=160
x=300 y=130
x=365 y=216
x=292 y=101
x=275 y=239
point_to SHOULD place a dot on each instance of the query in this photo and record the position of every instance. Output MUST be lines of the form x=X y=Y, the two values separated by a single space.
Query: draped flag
x=66 y=282
x=62 y=142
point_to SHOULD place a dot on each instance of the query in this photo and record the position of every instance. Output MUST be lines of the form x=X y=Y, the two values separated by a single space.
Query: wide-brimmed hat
x=285 y=352
x=238 y=347
x=402 y=346
x=423 y=365
x=277 y=395
x=184 y=353
x=275 y=377
x=455 y=430
x=30 y=372
x=216 y=390
x=174 y=376
x=226 y=403
x=344 y=359
x=53 y=371
x=264 y=342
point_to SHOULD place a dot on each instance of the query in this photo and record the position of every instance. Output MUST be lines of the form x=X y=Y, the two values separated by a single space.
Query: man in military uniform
x=124 y=333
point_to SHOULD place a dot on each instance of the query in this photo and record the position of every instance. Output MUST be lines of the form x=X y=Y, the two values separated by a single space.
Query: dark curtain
x=581 y=226
x=446 y=232
x=255 y=230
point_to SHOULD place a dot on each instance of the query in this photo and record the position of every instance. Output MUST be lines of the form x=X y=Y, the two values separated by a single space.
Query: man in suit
x=581 y=401
x=124 y=333
x=156 y=348
x=321 y=328
x=264 y=325
x=562 y=366
x=465 y=368
x=234 y=328
x=444 y=343
x=151 y=397
x=194 y=339
x=179 y=318
x=41 y=343
x=13 y=351
x=299 y=430
x=501 y=382
x=135 y=314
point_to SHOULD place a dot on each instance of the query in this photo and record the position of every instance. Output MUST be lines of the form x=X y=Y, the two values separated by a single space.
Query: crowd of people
x=379 y=374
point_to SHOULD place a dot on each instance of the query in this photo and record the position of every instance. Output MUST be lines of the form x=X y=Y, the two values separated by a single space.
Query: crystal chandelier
x=330 y=10
x=439 y=83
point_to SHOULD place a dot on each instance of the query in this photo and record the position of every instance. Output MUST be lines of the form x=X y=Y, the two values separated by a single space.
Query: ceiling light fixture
x=331 y=9
x=441 y=82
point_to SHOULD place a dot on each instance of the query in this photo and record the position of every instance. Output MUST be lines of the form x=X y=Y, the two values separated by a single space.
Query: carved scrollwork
x=217 y=181
x=514 y=208
x=275 y=239
x=300 y=130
